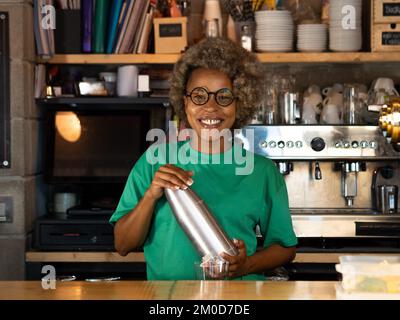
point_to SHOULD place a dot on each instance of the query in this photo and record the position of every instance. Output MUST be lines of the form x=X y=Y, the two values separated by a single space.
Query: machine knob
x=281 y=144
x=354 y=144
x=363 y=144
x=264 y=144
x=373 y=144
x=299 y=144
x=338 y=144
x=317 y=144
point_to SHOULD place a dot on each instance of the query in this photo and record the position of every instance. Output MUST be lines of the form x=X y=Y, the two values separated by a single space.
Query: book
x=100 y=26
x=121 y=14
x=87 y=25
x=40 y=80
x=131 y=27
x=143 y=10
x=50 y=32
x=36 y=28
x=113 y=24
x=44 y=36
x=144 y=38
x=124 y=24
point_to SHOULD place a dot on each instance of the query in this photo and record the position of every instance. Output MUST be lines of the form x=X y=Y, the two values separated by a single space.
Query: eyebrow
x=208 y=90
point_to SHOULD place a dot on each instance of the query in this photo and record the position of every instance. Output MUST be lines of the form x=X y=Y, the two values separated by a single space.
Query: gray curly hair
x=241 y=66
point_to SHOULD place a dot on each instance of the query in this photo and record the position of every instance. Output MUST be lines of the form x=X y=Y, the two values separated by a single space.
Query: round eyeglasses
x=200 y=96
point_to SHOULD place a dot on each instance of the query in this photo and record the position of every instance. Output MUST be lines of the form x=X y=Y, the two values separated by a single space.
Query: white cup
x=313 y=89
x=337 y=87
x=309 y=115
x=330 y=114
x=127 y=81
x=314 y=100
x=64 y=200
x=386 y=84
x=108 y=76
x=335 y=98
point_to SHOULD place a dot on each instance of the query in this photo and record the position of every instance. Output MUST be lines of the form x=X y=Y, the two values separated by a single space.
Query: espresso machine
x=330 y=177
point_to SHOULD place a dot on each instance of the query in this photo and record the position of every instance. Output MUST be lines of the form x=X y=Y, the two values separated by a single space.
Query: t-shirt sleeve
x=136 y=185
x=279 y=227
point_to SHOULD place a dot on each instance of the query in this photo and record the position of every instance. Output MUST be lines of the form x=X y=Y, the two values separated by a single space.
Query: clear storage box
x=370 y=273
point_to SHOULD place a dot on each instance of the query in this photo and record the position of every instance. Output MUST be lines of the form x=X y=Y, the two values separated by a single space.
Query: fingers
x=239 y=244
x=236 y=262
x=185 y=176
x=169 y=176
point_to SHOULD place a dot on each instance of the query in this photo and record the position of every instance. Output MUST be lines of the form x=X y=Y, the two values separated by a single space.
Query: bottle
x=212 y=29
x=199 y=224
x=212 y=10
x=246 y=38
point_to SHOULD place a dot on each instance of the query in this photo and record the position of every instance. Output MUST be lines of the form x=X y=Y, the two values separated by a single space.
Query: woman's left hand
x=237 y=264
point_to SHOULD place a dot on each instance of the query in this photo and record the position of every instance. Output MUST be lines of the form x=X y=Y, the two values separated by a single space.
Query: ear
x=185 y=102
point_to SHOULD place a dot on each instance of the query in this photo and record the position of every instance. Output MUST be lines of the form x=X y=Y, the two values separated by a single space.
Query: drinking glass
x=351 y=104
x=212 y=270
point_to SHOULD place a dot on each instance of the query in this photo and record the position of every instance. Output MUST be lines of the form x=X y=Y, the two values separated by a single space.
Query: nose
x=211 y=103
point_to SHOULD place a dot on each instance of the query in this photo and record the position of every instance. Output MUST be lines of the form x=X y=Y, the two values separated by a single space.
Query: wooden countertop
x=170 y=290
x=41 y=256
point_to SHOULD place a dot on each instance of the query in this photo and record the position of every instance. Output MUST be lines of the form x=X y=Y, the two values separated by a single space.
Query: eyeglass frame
x=187 y=94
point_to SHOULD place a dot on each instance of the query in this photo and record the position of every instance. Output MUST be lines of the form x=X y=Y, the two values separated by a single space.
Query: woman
x=214 y=88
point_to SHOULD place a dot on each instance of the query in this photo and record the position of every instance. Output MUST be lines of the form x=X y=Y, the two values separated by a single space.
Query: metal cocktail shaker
x=198 y=223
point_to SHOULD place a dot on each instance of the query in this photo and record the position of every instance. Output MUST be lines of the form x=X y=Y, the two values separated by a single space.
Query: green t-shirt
x=238 y=201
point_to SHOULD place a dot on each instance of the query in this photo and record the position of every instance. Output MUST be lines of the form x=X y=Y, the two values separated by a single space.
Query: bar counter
x=170 y=290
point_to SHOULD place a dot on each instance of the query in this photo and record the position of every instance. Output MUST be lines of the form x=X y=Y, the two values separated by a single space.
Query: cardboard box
x=170 y=35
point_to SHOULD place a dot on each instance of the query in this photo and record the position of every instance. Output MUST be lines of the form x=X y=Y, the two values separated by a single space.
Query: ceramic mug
x=330 y=114
x=336 y=88
x=386 y=84
x=312 y=90
x=314 y=101
x=335 y=98
x=64 y=200
x=309 y=116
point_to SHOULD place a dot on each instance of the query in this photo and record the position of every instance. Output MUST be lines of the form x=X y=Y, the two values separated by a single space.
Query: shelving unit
x=281 y=57
x=103 y=101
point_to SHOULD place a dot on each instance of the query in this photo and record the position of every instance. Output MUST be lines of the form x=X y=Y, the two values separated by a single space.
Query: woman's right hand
x=169 y=176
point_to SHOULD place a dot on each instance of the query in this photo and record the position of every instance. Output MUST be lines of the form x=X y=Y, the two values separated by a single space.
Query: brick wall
x=22 y=181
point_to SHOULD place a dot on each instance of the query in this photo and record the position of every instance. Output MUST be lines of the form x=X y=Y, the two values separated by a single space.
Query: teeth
x=210 y=121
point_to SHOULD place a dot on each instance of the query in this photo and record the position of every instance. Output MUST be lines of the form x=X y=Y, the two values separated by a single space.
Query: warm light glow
x=68 y=126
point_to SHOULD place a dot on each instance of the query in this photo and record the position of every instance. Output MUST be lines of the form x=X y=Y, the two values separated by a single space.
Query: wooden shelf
x=103 y=101
x=113 y=59
x=290 y=57
x=42 y=256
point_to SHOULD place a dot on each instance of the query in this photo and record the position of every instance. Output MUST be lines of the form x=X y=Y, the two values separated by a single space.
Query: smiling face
x=209 y=115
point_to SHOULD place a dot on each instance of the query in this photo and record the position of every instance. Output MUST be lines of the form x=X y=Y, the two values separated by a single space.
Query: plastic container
x=370 y=273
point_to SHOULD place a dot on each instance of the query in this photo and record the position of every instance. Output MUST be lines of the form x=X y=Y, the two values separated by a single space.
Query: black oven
x=92 y=144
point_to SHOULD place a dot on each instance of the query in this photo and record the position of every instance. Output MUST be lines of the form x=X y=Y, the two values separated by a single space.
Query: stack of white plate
x=312 y=37
x=345 y=31
x=274 y=31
